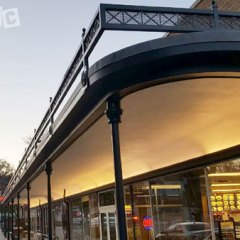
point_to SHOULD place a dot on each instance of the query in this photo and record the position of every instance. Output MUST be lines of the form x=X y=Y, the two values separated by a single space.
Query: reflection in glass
x=112 y=225
x=80 y=219
x=86 y=218
x=104 y=226
x=141 y=209
x=58 y=226
x=180 y=206
x=108 y=226
x=76 y=219
x=224 y=184
x=128 y=212
x=45 y=219
x=33 y=214
x=23 y=221
x=94 y=216
x=106 y=198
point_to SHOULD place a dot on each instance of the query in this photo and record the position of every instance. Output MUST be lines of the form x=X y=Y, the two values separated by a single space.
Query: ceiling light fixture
x=173 y=186
x=224 y=184
x=230 y=174
x=225 y=190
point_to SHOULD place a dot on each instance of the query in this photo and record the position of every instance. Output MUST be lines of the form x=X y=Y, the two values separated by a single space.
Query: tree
x=6 y=169
x=27 y=140
x=6 y=172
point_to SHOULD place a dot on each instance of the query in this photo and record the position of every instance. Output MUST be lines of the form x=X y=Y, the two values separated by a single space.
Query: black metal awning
x=122 y=18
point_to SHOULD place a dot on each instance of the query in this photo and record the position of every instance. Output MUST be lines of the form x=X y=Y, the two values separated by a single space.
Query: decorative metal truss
x=167 y=19
x=125 y=18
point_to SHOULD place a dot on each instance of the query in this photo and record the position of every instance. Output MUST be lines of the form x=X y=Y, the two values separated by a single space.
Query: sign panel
x=148 y=223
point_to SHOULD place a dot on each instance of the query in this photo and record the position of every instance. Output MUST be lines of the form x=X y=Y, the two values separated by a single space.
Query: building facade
x=229 y=5
x=146 y=147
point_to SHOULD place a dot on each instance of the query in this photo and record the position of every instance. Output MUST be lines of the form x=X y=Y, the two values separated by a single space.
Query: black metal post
x=2 y=217
x=132 y=206
x=68 y=220
x=18 y=217
x=48 y=170
x=41 y=217
x=28 y=211
x=5 y=221
x=8 y=228
x=12 y=217
x=215 y=14
x=114 y=118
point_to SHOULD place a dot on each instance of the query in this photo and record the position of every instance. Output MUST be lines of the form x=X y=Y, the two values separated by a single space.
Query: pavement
x=2 y=236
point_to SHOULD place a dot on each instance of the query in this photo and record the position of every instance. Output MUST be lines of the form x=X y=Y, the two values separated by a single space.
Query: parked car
x=186 y=231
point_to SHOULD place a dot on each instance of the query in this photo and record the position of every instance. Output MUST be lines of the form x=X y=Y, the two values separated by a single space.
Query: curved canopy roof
x=167 y=118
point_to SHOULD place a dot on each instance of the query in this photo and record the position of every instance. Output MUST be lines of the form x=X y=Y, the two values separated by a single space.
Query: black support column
x=12 y=217
x=18 y=217
x=48 y=170
x=28 y=211
x=114 y=118
x=41 y=217
x=8 y=221
x=5 y=221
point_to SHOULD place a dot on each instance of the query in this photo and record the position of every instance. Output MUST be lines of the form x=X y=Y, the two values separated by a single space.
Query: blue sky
x=36 y=54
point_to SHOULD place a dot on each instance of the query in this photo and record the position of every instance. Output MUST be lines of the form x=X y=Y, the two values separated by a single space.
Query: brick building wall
x=224 y=5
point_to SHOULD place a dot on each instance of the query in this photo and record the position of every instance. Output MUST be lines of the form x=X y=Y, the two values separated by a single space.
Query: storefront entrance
x=108 y=223
x=107 y=210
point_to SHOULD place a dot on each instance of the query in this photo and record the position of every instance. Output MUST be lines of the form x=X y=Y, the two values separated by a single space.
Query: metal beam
x=160 y=19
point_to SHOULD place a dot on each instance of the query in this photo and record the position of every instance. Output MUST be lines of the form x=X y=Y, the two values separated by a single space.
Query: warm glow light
x=128 y=208
x=175 y=186
x=2 y=198
x=225 y=184
x=135 y=218
x=232 y=174
x=225 y=190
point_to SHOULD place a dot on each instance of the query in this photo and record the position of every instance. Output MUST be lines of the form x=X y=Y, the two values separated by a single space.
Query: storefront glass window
x=39 y=222
x=179 y=204
x=14 y=216
x=45 y=220
x=80 y=219
x=142 y=215
x=76 y=219
x=224 y=185
x=22 y=222
x=33 y=215
x=58 y=220
x=128 y=212
x=85 y=218
x=94 y=216
x=106 y=198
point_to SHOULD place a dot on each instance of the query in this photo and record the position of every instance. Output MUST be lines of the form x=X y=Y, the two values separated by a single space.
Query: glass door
x=107 y=212
x=108 y=223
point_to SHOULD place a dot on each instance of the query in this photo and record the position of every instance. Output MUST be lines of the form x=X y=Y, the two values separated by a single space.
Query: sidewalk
x=1 y=235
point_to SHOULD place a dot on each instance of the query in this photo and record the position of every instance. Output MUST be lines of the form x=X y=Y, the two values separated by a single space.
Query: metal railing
x=126 y=18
